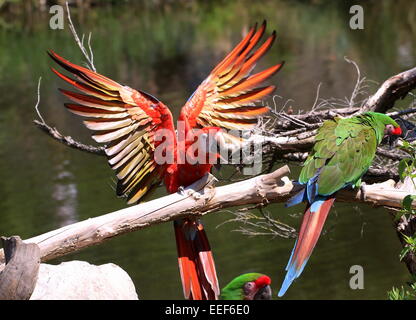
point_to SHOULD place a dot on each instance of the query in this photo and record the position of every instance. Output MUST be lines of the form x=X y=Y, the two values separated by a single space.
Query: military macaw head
x=383 y=125
x=248 y=286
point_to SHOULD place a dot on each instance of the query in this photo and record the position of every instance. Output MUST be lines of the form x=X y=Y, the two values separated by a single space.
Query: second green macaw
x=248 y=286
x=344 y=150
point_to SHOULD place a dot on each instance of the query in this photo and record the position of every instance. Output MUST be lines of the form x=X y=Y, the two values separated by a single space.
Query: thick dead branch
x=378 y=194
x=393 y=89
x=19 y=276
x=377 y=173
x=198 y=199
x=395 y=155
x=299 y=142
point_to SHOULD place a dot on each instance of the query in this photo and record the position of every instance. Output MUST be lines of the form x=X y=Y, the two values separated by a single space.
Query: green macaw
x=248 y=286
x=344 y=150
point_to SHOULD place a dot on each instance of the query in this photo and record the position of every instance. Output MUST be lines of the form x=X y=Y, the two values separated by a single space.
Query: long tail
x=312 y=223
x=196 y=263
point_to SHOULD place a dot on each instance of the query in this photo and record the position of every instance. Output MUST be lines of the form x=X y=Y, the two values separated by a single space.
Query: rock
x=79 y=280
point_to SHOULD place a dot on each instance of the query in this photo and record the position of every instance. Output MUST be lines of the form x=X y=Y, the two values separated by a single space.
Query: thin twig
x=402 y=112
x=38 y=101
x=89 y=57
x=317 y=96
x=68 y=140
x=358 y=82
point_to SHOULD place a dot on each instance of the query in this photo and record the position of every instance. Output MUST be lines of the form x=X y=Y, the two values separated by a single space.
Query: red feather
x=196 y=264
x=309 y=233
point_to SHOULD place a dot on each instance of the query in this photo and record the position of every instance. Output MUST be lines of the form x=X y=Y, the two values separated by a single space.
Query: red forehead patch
x=263 y=281
x=397 y=131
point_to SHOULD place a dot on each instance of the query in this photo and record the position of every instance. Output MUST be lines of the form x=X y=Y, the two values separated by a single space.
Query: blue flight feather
x=312 y=188
x=296 y=199
x=291 y=255
x=292 y=274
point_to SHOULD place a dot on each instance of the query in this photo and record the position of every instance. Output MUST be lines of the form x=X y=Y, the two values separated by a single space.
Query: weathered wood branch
x=316 y=117
x=19 y=276
x=393 y=89
x=198 y=199
x=378 y=194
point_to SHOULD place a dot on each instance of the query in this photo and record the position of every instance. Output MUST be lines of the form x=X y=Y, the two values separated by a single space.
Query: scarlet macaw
x=128 y=121
x=344 y=150
x=248 y=286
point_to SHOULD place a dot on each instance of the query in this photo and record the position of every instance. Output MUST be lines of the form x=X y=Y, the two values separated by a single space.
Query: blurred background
x=167 y=48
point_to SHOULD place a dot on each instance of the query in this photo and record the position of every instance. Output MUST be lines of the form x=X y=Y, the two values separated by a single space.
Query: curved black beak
x=264 y=293
x=408 y=131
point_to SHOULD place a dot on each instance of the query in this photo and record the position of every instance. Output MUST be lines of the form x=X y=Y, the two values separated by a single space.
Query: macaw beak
x=264 y=293
x=408 y=128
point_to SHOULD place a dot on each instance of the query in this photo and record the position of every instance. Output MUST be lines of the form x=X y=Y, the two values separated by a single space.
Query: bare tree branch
x=69 y=141
x=89 y=56
x=393 y=89
x=38 y=101
x=198 y=199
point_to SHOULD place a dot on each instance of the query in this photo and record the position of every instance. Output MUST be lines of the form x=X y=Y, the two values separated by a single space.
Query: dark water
x=167 y=51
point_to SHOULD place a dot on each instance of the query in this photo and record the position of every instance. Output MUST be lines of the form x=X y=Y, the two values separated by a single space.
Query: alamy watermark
x=357 y=20
x=57 y=19
x=357 y=280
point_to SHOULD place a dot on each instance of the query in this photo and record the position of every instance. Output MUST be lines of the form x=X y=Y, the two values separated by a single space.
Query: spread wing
x=342 y=153
x=226 y=98
x=125 y=120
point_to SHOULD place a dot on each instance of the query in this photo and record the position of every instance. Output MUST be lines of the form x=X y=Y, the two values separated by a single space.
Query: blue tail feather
x=312 y=188
x=296 y=199
x=308 y=193
x=292 y=274
x=291 y=256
